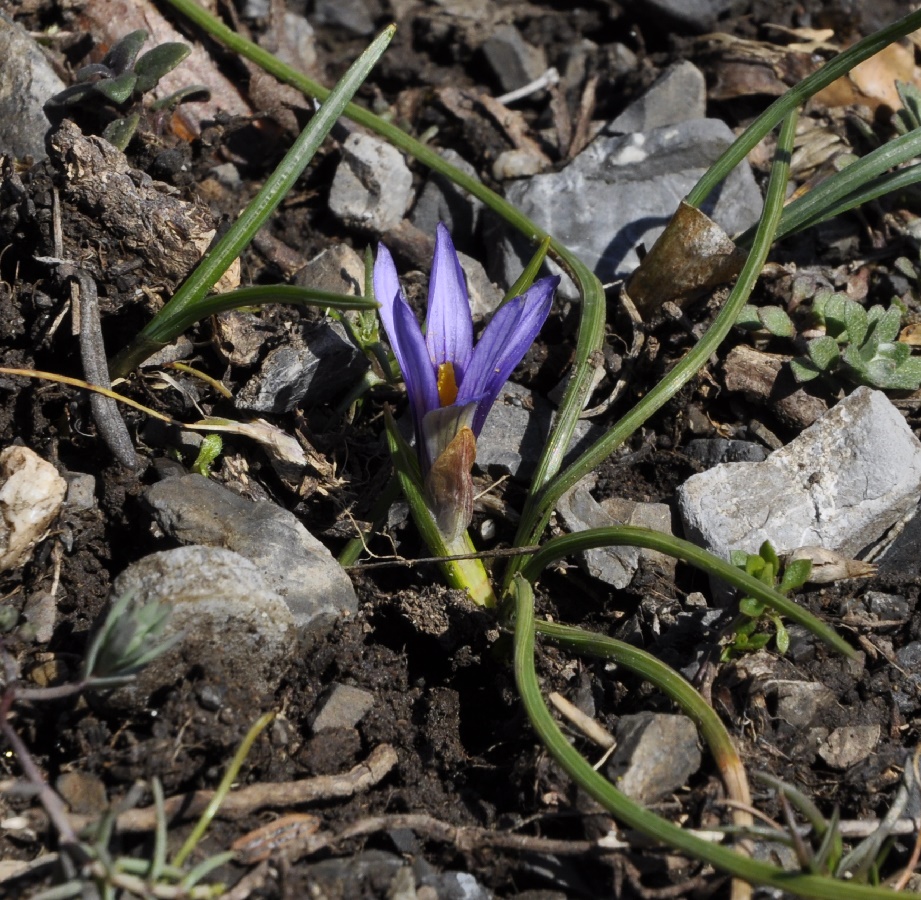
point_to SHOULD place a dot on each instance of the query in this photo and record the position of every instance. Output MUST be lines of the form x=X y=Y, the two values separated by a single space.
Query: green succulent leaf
x=69 y=96
x=855 y=322
x=90 y=72
x=823 y=352
x=192 y=91
x=155 y=63
x=120 y=131
x=888 y=326
x=749 y=318
x=835 y=315
x=125 y=52
x=804 y=370
x=776 y=321
x=751 y=607
x=782 y=636
x=795 y=575
x=886 y=375
x=119 y=89
x=211 y=448
x=738 y=558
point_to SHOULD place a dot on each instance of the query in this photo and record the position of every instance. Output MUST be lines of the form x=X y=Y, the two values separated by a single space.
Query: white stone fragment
x=31 y=495
x=372 y=187
x=840 y=485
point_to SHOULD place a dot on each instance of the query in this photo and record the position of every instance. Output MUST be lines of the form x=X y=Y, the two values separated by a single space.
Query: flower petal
x=412 y=355
x=386 y=290
x=448 y=325
x=503 y=345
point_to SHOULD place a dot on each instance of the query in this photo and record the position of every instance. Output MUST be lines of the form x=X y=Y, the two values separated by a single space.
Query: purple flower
x=451 y=383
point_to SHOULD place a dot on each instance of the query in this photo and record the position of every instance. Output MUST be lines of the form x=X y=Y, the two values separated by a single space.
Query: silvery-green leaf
x=803 y=369
x=124 y=53
x=823 y=352
x=119 y=89
x=855 y=322
x=749 y=318
x=155 y=63
x=776 y=321
x=120 y=131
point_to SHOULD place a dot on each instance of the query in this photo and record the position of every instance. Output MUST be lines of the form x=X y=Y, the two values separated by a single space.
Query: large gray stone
x=230 y=620
x=26 y=82
x=840 y=485
x=656 y=754
x=697 y=16
x=621 y=191
x=326 y=366
x=294 y=563
x=678 y=94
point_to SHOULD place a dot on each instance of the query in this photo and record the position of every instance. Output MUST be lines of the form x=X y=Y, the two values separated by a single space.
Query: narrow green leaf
x=531 y=271
x=169 y=322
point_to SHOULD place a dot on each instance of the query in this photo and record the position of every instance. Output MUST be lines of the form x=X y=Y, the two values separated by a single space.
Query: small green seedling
x=211 y=448
x=747 y=630
x=859 y=344
x=112 y=89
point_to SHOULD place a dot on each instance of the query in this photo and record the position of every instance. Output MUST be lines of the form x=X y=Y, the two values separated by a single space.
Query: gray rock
x=440 y=200
x=678 y=94
x=83 y=792
x=799 y=701
x=327 y=366
x=710 y=452
x=616 y=566
x=81 y=491
x=193 y=509
x=345 y=707
x=847 y=746
x=375 y=872
x=372 y=187
x=656 y=754
x=338 y=269
x=233 y=625
x=908 y=693
x=696 y=15
x=40 y=615
x=512 y=59
x=485 y=295
x=888 y=607
x=840 y=485
x=621 y=191
x=352 y=15
x=515 y=433
x=26 y=82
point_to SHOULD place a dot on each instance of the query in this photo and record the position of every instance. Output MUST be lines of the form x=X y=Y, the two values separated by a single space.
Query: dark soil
x=439 y=669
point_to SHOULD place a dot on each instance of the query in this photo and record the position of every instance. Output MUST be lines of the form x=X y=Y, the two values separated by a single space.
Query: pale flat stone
x=840 y=485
